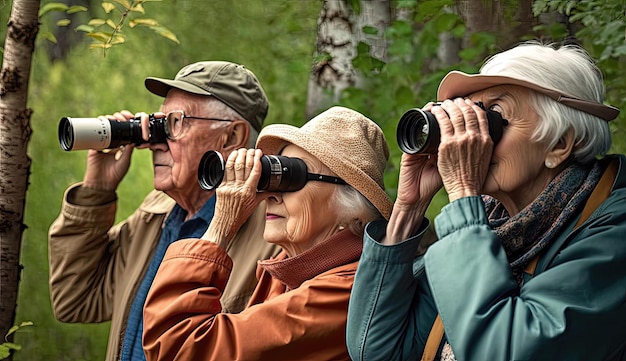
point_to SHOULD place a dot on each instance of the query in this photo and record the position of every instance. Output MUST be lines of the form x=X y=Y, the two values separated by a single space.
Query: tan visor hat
x=458 y=84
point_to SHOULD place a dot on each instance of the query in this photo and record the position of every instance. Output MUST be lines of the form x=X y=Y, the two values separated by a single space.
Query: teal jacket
x=573 y=308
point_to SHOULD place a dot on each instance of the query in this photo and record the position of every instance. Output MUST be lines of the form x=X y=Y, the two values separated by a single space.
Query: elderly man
x=100 y=271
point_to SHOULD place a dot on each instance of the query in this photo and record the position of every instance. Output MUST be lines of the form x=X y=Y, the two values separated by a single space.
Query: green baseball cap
x=231 y=83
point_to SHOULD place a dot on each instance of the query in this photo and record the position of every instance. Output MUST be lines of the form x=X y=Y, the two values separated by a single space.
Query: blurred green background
x=275 y=39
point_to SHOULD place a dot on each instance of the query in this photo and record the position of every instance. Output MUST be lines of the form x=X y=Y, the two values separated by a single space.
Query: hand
x=145 y=127
x=465 y=149
x=418 y=183
x=106 y=169
x=237 y=195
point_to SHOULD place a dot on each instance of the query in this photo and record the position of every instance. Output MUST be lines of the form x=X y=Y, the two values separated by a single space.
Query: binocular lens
x=94 y=133
x=278 y=173
x=418 y=130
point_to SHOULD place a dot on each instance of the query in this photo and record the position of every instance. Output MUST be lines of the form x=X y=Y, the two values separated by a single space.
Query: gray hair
x=356 y=210
x=568 y=68
x=218 y=109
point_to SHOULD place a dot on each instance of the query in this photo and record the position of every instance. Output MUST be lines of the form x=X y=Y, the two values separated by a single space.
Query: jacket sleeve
x=82 y=255
x=383 y=322
x=182 y=319
x=573 y=310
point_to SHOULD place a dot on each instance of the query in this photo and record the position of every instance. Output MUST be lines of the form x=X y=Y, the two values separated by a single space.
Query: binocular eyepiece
x=278 y=173
x=94 y=133
x=418 y=130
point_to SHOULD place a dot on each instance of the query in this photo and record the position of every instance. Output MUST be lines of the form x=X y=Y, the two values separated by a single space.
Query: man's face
x=176 y=163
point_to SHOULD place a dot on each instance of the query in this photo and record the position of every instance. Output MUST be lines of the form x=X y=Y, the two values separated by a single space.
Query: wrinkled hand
x=106 y=169
x=465 y=149
x=418 y=183
x=237 y=195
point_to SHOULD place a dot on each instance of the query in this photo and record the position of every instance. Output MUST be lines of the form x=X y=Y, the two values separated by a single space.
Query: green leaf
x=76 y=9
x=52 y=7
x=100 y=36
x=166 y=33
x=64 y=22
x=4 y=352
x=142 y=21
x=370 y=30
x=138 y=9
x=111 y=24
x=12 y=346
x=48 y=36
x=108 y=7
x=96 y=22
x=124 y=3
x=445 y=22
x=85 y=28
x=100 y=46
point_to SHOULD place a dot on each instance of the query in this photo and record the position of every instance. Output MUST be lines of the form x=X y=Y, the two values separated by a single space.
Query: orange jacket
x=303 y=321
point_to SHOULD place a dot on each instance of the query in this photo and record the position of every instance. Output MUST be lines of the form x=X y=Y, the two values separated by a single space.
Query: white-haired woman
x=531 y=258
x=299 y=308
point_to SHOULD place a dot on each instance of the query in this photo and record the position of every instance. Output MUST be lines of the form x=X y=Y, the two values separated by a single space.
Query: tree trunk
x=492 y=17
x=339 y=32
x=15 y=133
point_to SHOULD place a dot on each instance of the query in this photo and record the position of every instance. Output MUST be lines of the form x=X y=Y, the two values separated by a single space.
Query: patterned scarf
x=533 y=229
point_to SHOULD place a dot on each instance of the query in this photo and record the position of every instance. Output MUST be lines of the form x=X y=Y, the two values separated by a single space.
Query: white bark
x=15 y=133
x=339 y=32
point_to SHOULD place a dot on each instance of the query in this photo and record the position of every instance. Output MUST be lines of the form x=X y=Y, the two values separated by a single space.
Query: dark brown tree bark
x=15 y=133
x=497 y=18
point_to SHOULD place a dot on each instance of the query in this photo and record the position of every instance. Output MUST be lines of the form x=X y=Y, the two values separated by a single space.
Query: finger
x=458 y=112
x=124 y=153
x=240 y=164
x=249 y=162
x=482 y=123
x=471 y=114
x=445 y=125
x=229 y=168
x=144 y=120
x=126 y=114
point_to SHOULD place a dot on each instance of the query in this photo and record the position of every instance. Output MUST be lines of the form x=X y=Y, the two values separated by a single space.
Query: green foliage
x=602 y=31
x=274 y=39
x=7 y=347
x=107 y=31
x=409 y=78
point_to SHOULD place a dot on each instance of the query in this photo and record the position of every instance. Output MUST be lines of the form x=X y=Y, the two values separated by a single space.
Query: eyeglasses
x=175 y=121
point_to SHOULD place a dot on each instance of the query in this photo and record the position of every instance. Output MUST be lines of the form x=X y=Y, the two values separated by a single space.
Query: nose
x=275 y=197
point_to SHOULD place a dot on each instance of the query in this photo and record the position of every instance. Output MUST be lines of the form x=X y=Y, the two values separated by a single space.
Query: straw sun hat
x=347 y=142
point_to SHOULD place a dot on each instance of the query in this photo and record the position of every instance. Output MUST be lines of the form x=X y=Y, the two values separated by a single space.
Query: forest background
x=277 y=40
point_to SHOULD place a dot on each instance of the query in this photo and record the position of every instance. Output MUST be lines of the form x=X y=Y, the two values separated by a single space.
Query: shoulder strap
x=434 y=339
x=599 y=194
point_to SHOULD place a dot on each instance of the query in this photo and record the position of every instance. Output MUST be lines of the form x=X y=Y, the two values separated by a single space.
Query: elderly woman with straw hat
x=299 y=308
x=531 y=258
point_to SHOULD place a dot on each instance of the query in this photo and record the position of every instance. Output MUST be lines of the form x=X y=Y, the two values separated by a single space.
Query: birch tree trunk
x=15 y=133
x=339 y=32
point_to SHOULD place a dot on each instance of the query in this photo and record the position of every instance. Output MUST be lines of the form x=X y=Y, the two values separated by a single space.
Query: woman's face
x=517 y=173
x=296 y=221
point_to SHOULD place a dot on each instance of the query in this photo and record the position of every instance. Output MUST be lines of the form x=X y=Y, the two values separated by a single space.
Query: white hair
x=570 y=69
x=355 y=209
x=219 y=109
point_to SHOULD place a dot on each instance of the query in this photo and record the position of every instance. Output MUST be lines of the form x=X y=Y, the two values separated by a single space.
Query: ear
x=561 y=151
x=236 y=136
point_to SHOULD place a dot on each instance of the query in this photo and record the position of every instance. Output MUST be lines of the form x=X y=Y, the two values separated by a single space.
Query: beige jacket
x=96 y=267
